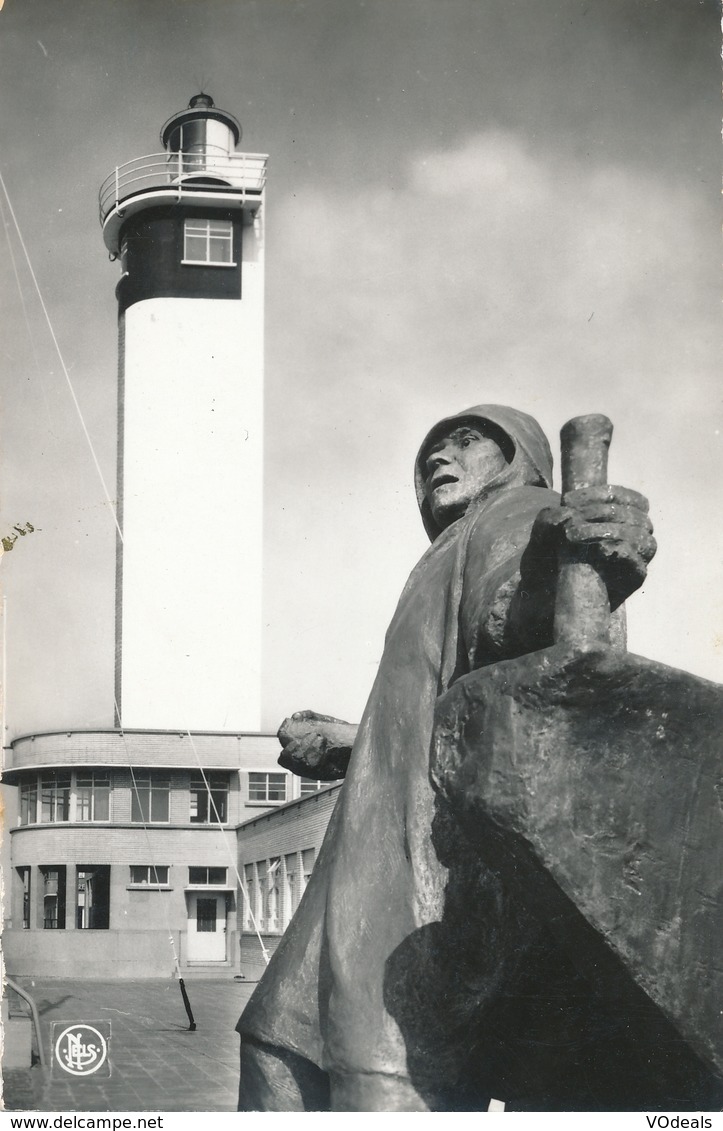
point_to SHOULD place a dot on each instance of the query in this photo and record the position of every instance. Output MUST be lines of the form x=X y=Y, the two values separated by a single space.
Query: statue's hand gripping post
x=582 y=606
x=585 y=776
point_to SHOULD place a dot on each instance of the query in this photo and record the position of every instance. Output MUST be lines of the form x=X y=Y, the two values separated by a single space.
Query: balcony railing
x=183 y=173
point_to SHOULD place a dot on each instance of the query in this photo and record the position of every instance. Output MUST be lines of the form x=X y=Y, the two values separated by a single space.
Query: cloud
x=497 y=271
x=496 y=162
x=498 y=260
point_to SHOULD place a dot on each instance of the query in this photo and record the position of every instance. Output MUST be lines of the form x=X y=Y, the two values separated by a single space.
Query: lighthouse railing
x=184 y=172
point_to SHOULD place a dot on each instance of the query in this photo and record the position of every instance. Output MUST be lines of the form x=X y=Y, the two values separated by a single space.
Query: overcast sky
x=509 y=201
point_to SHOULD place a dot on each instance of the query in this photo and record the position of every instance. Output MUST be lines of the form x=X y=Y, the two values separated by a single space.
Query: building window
x=310 y=785
x=53 y=897
x=89 y=800
x=291 y=871
x=208 y=241
x=205 y=915
x=212 y=877
x=249 y=912
x=150 y=795
x=92 y=796
x=209 y=799
x=24 y=874
x=29 y=802
x=260 y=906
x=264 y=887
x=55 y=797
x=149 y=873
x=273 y=890
x=267 y=787
x=307 y=867
x=92 y=897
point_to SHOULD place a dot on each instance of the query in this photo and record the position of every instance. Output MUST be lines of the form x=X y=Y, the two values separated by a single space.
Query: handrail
x=244 y=172
x=35 y=1015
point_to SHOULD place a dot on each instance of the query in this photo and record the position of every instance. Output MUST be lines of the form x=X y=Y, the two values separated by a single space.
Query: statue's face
x=458 y=467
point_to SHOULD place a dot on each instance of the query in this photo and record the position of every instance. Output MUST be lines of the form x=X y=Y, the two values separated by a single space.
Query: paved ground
x=156 y=1063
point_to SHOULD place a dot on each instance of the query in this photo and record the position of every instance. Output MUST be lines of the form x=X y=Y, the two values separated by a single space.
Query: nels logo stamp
x=81 y=1048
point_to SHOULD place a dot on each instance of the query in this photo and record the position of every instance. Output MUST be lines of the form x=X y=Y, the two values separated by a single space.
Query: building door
x=206 y=927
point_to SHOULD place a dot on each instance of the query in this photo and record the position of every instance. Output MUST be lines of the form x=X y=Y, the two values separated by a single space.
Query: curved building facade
x=126 y=837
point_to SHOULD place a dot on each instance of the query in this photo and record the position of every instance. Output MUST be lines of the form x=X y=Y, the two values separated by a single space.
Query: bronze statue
x=417 y=975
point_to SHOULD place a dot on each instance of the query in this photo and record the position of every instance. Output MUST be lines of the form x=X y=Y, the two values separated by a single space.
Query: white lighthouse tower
x=187 y=226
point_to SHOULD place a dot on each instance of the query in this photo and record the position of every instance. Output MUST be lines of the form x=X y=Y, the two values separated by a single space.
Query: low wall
x=89 y=954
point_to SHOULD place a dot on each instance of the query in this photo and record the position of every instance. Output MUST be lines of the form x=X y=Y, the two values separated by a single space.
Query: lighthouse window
x=208 y=241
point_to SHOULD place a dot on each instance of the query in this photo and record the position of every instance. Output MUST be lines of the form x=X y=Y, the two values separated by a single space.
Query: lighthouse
x=120 y=857
x=187 y=226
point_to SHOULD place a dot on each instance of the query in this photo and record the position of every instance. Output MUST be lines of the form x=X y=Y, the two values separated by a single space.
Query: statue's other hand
x=316 y=746
x=609 y=527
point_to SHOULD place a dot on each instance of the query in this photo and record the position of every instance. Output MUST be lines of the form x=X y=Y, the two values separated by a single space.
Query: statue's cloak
x=375 y=973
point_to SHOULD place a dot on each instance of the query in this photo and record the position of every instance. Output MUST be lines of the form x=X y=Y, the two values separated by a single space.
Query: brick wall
x=283 y=830
x=251 y=960
x=130 y=907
